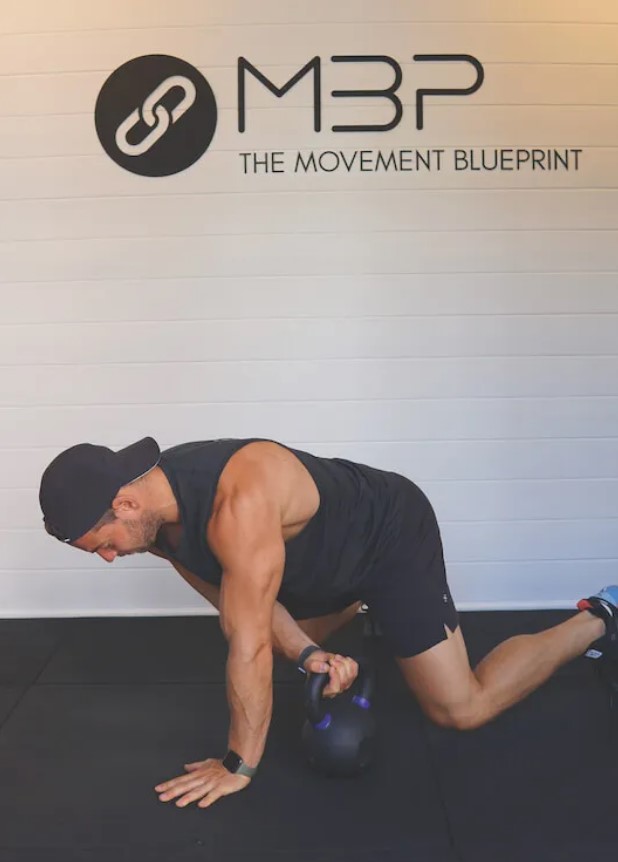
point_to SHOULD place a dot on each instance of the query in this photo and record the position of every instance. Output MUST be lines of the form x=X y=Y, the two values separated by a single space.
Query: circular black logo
x=156 y=115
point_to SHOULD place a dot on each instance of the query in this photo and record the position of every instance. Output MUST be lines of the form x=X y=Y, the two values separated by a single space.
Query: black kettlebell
x=339 y=733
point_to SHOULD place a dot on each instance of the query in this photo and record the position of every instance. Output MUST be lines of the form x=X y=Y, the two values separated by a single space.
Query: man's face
x=124 y=536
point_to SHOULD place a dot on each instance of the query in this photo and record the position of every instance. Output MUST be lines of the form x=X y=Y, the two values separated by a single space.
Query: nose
x=107 y=554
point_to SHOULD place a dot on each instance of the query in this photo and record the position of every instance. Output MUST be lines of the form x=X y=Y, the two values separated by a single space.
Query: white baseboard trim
x=209 y=611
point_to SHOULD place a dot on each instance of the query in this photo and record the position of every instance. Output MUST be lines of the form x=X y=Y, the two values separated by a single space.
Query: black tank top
x=327 y=563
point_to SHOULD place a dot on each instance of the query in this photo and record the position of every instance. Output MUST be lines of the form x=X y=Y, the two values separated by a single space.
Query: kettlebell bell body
x=339 y=735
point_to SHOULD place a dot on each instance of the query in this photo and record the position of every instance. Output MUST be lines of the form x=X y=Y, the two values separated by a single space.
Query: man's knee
x=457 y=716
x=444 y=684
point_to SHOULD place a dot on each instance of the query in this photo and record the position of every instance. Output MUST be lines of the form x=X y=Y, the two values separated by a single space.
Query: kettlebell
x=339 y=733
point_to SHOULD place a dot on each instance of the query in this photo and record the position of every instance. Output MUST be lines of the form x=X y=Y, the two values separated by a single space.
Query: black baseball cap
x=80 y=484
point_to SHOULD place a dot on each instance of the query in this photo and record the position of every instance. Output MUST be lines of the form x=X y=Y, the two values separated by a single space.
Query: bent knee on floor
x=468 y=716
x=445 y=686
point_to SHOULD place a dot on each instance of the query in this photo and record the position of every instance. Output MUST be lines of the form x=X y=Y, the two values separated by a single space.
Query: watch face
x=232 y=761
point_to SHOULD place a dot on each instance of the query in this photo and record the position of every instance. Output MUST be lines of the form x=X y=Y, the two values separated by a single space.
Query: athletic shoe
x=604 y=604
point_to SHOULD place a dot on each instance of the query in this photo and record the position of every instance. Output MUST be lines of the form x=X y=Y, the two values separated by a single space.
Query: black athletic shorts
x=408 y=594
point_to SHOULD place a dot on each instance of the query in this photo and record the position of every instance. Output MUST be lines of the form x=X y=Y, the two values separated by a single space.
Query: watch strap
x=302 y=658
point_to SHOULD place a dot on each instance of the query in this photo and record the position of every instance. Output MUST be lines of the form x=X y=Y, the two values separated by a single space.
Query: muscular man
x=287 y=546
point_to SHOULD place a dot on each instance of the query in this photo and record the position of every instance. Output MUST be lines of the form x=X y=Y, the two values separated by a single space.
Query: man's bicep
x=248 y=542
x=247 y=599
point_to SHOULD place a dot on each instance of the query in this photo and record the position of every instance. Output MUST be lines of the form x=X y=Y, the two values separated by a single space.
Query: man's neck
x=161 y=498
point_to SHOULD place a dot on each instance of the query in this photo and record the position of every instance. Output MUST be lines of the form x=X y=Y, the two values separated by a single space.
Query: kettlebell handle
x=317 y=682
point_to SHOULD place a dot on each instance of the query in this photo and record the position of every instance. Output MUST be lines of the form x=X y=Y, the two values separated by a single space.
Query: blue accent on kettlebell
x=345 y=745
x=322 y=725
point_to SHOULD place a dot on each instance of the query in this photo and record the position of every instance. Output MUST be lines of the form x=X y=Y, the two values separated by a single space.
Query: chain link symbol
x=154 y=115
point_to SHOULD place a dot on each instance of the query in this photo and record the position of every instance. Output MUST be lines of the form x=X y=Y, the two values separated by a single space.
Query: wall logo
x=156 y=115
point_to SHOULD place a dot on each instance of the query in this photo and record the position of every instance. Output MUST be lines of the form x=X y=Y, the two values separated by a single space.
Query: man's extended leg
x=453 y=695
x=412 y=603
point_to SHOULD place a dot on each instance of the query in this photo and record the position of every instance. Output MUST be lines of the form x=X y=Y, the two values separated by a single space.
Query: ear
x=125 y=502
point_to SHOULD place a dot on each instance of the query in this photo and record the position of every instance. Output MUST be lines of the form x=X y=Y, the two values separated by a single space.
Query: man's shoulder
x=197 y=453
x=223 y=444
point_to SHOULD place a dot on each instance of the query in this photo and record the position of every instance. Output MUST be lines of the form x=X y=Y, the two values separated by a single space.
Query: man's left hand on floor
x=207 y=780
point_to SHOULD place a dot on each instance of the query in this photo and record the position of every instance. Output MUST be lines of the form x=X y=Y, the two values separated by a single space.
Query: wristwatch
x=236 y=765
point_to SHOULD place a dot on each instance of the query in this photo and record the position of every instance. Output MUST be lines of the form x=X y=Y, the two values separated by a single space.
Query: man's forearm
x=288 y=638
x=249 y=692
x=249 y=685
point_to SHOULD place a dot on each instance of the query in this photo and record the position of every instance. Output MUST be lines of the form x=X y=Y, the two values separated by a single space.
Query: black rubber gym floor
x=95 y=712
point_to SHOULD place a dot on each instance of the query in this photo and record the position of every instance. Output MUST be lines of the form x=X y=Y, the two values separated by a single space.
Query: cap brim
x=138 y=459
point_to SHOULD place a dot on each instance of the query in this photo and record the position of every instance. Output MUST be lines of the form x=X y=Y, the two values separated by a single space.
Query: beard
x=144 y=532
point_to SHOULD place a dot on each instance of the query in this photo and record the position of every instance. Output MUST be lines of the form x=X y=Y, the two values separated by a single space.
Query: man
x=287 y=546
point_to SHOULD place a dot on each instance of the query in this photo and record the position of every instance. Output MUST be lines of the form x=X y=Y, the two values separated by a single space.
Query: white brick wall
x=459 y=327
